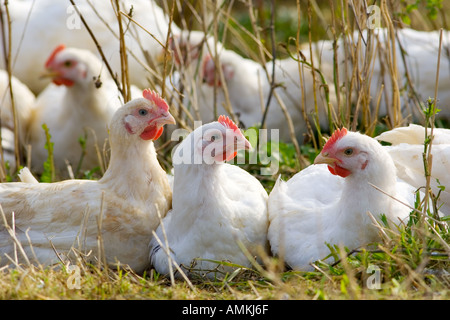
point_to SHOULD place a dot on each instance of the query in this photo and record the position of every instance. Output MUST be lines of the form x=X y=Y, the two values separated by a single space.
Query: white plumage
x=215 y=205
x=24 y=102
x=184 y=83
x=315 y=207
x=416 y=54
x=241 y=86
x=25 y=175
x=79 y=103
x=65 y=216
x=40 y=25
x=248 y=88
x=406 y=151
x=190 y=46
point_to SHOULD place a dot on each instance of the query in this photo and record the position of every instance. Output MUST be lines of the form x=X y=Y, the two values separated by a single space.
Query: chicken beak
x=49 y=74
x=165 y=118
x=325 y=159
x=247 y=145
x=241 y=143
x=164 y=55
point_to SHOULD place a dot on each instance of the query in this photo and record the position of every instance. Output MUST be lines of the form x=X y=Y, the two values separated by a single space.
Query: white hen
x=183 y=85
x=39 y=25
x=66 y=216
x=314 y=207
x=79 y=103
x=215 y=205
x=24 y=102
x=406 y=151
x=248 y=90
x=190 y=46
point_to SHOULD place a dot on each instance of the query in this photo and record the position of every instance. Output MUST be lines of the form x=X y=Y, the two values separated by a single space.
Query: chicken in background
x=24 y=103
x=242 y=88
x=406 y=149
x=416 y=54
x=190 y=46
x=54 y=221
x=215 y=206
x=248 y=90
x=315 y=208
x=78 y=104
x=182 y=85
x=40 y=25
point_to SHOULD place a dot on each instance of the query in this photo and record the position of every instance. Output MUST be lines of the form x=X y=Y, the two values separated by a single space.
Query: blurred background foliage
x=265 y=29
x=423 y=15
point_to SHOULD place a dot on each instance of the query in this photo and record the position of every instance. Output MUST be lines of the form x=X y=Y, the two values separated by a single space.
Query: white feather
x=24 y=103
x=406 y=151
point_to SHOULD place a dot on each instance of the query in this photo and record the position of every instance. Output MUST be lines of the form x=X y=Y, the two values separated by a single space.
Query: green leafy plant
x=48 y=174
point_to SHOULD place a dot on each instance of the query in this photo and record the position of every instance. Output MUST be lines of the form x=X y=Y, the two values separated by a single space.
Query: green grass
x=401 y=278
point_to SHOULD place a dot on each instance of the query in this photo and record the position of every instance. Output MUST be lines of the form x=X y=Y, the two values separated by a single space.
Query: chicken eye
x=143 y=112
x=214 y=137
x=348 y=151
x=67 y=63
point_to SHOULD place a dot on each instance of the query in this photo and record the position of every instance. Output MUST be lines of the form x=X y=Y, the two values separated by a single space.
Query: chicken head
x=210 y=72
x=65 y=67
x=345 y=154
x=145 y=117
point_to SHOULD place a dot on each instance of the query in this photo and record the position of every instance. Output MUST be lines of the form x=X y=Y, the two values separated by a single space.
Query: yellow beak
x=49 y=74
x=325 y=159
x=165 y=118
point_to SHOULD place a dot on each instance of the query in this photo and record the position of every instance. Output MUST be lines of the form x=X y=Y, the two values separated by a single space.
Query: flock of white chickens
x=207 y=210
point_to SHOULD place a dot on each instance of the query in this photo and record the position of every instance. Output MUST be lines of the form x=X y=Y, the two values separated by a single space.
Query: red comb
x=155 y=98
x=338 y=134
x=58 y=49
x=228 y=123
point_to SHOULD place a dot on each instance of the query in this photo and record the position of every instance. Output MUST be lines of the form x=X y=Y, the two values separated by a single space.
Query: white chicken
x=314 y=207
x=66 y=217
x=244 y=88
x=190 y=46
x=215 y=205
x=24 y=101
x=421 y=57
x=407 y=147
x=248 y=90
x=183 y=84
x=416 y=57
x=78 y=104
x=39 y=25
x=414 y=134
